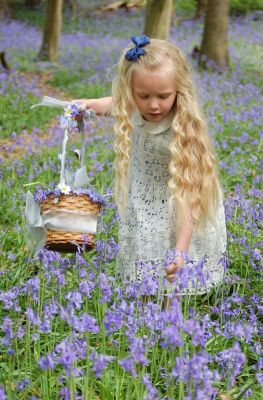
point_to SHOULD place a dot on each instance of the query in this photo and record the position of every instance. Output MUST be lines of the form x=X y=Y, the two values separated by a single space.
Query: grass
x=48 y=285
x=16 y=116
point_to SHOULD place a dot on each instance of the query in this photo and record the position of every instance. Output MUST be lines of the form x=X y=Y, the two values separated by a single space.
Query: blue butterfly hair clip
x=137 y=51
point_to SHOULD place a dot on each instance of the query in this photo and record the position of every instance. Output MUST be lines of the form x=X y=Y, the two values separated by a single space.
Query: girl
x=166 y=187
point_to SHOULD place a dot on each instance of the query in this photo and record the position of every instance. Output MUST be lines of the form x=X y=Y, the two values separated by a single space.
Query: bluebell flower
x=2 y=393
x=89 y=324
x=259 y=377
x=99 y=362
x=32 y=316
x=138 y=351
x=64 y=393
x=128 y=365
x=113 y=321
x=231 y=362
x=46 y=362
x=75 y=299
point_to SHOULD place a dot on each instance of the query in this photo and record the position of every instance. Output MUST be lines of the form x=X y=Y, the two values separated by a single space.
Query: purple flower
x=128 y=365
x=64 y=393
x=171 y=255
x=10 y=299
x=11 y=256
x=44 y=326
x=46 y=362
x=7 y=328
x=150 y=275
x=172 y=336
x=75 y=299
x=85 y=287
x=193 y=328
x=195 y=372
x=51 y=309
x=88 y=324
x=67 y=354
x=21 y=385
x=248 y=394
x=137 y=351
x=259 y=377
x=231 y=362
x=32 y=287
x=100 y=361
x=32 y=317
x=20 y=332
x=105 y=287
x=152 y=392
x=113 y=321
x=107 y=251
x=2 y=393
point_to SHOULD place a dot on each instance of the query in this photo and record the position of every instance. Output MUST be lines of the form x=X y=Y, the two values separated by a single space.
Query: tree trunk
x=4 y=9
x=73 y=6
x=215 y=42
x=201 y=8
x=53 y=21
x=32 y=4
x=158 y=18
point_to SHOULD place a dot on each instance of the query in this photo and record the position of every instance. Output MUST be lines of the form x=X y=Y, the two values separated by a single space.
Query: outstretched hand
x=101 y=106
x=173 y=268
x=85 y=103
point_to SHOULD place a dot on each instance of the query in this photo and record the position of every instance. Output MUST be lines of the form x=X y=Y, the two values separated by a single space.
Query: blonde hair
x=194 y=183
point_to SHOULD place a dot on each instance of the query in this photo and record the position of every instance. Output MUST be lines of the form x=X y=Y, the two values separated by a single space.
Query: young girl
x=166 y=187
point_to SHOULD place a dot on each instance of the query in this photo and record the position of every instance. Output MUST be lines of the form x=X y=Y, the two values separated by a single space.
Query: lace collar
x=152 y=127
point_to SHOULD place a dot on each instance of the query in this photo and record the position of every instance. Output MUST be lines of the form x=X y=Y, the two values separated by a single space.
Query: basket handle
x=66 y=124
x=82 y=116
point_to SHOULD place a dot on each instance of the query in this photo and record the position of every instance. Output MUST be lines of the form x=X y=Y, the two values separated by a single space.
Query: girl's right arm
x=102 y=106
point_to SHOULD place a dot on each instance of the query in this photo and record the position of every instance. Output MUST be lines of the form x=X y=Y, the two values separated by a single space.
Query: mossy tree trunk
x=52 y=29
x=73 y=6
x=215 y=39
x=32 y=4
x=4 y=9
x=158 y=18
x=201 y=8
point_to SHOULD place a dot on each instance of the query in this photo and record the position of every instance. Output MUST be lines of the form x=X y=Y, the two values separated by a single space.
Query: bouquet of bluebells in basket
x=65 y=218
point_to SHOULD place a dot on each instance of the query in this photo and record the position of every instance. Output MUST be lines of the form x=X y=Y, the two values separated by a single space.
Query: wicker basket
x=70 y=220
x=69 y=242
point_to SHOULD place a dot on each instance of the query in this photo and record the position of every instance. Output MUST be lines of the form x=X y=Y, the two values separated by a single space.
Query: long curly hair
x=194 y=181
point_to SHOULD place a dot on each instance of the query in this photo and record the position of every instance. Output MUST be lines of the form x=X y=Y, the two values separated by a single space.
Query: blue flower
x=46 y=362
x=2 y=393
x=100 y=362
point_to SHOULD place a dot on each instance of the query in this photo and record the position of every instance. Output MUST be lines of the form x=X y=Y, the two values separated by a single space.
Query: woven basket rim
x=65 y=195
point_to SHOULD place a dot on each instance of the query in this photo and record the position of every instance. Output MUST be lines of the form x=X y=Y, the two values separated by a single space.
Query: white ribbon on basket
x=61 y=219
x=55 y=220
x=52 y=102
x=37 y=233
x=58 y=220
x=70 y=221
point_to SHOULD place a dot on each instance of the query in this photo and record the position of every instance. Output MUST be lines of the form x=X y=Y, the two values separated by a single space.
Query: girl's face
x=154 y=92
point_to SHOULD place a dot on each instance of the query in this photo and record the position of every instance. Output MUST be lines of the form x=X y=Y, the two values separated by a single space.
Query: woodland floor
x=8 y=148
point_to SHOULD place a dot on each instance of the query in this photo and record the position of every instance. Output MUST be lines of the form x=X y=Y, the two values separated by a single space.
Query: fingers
x=83 y=103
x=171 y=272
x=171 y=269
x=171 y=277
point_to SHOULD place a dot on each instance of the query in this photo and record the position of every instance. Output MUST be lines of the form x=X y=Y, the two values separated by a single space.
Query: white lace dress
x=147 y=229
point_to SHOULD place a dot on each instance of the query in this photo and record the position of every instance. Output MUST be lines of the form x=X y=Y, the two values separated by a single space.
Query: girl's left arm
x=183 y=238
